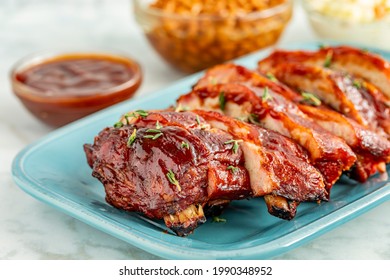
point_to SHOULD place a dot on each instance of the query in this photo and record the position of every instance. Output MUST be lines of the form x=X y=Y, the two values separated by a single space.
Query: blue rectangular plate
x=54 y=170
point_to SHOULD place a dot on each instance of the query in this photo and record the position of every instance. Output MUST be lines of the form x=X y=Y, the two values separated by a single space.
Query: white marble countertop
x=30 y=229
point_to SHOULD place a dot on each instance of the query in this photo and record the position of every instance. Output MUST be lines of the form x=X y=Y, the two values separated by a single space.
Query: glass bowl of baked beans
x=192 y=35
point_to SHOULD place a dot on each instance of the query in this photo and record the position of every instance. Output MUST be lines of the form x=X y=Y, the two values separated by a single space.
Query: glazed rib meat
x=372 y=150
x=358 y=62
x=293 y=179
x=289 y=172
x=251 y=97
x=329 y=154
x=341 y=91
x=168 y=165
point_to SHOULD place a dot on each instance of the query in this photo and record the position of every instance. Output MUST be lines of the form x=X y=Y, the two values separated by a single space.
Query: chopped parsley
x=328 y=59
x=151 y=130
x=197 y=119
x=132 y=137
x=254 y=118
x=271 y=77
x=222 y=101
x=118 y=124
x=135 y=114
x=157 y=133
x=180 y=108
x=217 y=219
x=266 y=95
x=126 y=116
x=310 y=99
x=322 y=46
x=153 y=136
x=141 y=113
x=185 y=145
x=357 y=84
x=233 y=169
x=158 y=125
x=172 y=179
x=235 y=144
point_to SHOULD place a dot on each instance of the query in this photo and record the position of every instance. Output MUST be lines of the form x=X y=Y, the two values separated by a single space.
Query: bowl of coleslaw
x=354 y=21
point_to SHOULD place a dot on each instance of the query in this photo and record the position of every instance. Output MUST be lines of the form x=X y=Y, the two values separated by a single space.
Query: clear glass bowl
x=192 y=43
x=374 y=34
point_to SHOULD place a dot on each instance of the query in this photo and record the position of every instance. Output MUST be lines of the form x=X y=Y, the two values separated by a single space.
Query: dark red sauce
x=67 y=87
x=76 y=77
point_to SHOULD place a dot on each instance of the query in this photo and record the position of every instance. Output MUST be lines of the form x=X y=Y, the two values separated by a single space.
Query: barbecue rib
x=341 y=91
x=289 y=164
x=169 y=165
x=360 y=63
x=372 y=150
x=249 y=96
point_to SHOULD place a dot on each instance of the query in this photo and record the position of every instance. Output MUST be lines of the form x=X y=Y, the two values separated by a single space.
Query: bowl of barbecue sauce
x=61 y=88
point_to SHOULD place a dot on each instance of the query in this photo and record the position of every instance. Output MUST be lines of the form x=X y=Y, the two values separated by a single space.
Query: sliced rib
x=372 y=149
x=361 y=63
x=243 y=93
x=292 y=175
x=341 y=91
x=171 y=175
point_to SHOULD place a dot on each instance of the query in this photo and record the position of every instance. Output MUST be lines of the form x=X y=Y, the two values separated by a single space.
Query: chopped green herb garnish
x=271 y=77
x=311 y=99
x=328 y=59
x=197 y=119
x=254 y=118
x=158 y=125
x=235 y=144
x=157 y=133
x=132 y=137
x=138 y=113
x=153 y=136
x=222 y=101
x=172 y=179
x=180 y=108
x=219 y=220
x=152 y=130
x=357 y=84
x=118 y=124
x=266 y=95
x=126 y=116
x=233 y=169
x=142 y=113
x=185 y=145
x=157 y=136
x=322 y=46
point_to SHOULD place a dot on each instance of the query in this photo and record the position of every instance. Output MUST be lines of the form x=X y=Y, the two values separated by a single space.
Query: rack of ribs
x=339 y=90
x=171 y=165
x=248 y=96
x=286 y=132
x=363 y=118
